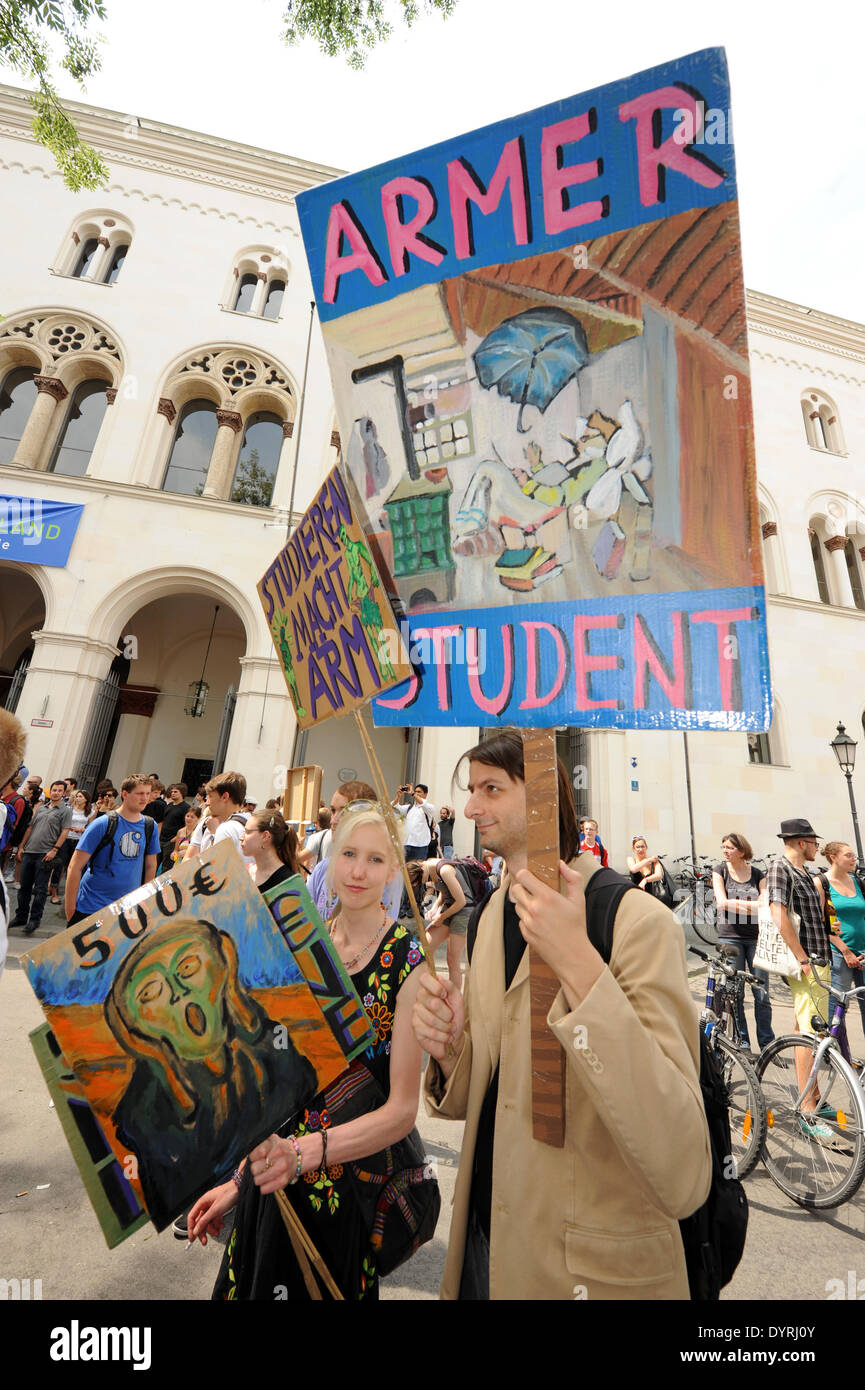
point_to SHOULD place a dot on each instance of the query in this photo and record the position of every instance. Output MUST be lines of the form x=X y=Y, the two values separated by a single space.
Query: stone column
x=99 y=264
x=257 y=306
x=770 y=556
x=50 y=393
x=843 y=592
x=65 y=673
x=282 y=483
x=222 y=461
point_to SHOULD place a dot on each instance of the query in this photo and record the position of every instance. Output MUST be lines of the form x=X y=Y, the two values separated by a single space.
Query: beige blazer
x=597 y=1218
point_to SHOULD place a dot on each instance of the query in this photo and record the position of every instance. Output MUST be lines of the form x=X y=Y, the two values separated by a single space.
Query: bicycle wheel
x=817 y=1160
x=747 y=1106
x=704 y=920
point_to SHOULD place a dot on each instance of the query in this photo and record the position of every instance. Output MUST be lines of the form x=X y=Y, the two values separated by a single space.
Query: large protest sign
x=537 y=341
x=190 y=1026
x=328 y=613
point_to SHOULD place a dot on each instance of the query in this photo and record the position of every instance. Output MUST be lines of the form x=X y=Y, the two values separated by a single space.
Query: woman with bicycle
x=738 y=886
x=847 y=930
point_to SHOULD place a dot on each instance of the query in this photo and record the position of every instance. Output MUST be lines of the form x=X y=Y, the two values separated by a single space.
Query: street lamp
x=196 y=695
x=844 y=748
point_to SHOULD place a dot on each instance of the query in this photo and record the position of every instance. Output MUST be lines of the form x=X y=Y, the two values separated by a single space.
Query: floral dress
x=259 y=1262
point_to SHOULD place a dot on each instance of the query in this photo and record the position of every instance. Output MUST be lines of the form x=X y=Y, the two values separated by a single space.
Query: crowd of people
x=601 y=1212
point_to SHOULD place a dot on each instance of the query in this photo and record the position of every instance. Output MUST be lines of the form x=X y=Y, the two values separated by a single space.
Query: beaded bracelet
x=296 y=1147
x=238 y=1178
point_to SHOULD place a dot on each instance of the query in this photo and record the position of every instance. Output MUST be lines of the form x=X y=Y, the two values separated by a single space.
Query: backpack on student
x=714 y=1235
x=475 y=877
x=108 y=838
x=10 y=823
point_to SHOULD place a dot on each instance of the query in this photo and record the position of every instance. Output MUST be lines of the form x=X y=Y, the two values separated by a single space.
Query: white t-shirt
x=419 y=823
x=229 y=829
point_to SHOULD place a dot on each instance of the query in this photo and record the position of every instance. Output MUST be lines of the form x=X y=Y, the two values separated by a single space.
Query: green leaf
x=348 y=27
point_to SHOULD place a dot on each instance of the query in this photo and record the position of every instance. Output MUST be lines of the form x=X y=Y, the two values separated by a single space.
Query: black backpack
x=474 y=877
x=108 y=838
x=713 y=1236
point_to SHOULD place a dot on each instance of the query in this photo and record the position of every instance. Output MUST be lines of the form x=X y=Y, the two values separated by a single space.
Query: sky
x=795 y=72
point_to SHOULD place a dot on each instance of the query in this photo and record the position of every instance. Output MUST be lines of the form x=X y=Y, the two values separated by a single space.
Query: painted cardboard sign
x=118 y=1209
x=537 y=341
x=328 y=614
x=189 y=1026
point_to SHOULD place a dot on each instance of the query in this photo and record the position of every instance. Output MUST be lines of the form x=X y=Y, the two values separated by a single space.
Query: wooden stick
x=392 y=824
x=305 y=1251
x=542 y=850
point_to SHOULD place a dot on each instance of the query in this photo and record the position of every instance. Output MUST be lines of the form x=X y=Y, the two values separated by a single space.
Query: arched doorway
x=22 y=612
x=144 y=717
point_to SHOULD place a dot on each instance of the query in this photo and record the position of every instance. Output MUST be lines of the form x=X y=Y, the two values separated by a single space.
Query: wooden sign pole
x=396 y=839
x=543 y=853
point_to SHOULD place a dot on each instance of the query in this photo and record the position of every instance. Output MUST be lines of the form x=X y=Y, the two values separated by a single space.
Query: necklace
x=363 y=950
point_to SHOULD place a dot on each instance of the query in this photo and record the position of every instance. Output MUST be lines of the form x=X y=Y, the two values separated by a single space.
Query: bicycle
x=748 y=1117
x=816 y=1157
x=696 y=907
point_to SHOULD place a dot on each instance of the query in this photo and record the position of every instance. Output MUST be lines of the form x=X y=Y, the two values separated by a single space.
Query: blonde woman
x=644 y=868
x=313 y=1159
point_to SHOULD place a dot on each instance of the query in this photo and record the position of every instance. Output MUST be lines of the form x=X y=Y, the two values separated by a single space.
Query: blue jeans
x=844 y=976
x=447 y=851
x=745 y=951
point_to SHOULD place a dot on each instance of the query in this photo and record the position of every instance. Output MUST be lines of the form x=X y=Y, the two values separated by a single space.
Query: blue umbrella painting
x=532 y=356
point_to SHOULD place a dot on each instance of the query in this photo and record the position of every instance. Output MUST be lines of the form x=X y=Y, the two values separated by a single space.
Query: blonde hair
x=349 y=822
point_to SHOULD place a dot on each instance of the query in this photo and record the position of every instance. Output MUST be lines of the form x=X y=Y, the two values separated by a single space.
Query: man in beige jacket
x=598 y=1218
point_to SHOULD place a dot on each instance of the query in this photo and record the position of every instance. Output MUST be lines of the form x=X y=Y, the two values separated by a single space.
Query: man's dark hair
x=505 y=750
x=180 y=787
x=421 y=787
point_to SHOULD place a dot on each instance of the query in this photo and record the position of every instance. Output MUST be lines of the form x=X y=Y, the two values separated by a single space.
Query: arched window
x=256 y=282
x=81 y=427
x=86 y=256
x=115 y=265
x=855 y=573
x=819 y=567
x=190 y=453
x=273 y=303
x=822 y=426
x=17 y=397
x=258 y=460
x=245 y=293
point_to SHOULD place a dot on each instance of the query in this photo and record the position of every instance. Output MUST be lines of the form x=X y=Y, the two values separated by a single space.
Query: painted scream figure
x=208 y=1074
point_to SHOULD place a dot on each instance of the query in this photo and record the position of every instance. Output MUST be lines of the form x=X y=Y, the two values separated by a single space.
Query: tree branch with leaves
x=29 y=29
x=348 y=27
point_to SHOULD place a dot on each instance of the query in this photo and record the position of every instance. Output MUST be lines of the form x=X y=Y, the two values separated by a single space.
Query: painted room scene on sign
x=560 y=423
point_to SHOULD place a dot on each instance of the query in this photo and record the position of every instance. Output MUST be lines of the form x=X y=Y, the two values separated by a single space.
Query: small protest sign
x=328 y=613
x=189 y=1026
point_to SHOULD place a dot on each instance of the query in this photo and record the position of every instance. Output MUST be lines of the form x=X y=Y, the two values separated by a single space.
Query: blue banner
x=661 y=661
x=35 y=531
x=632 y=152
